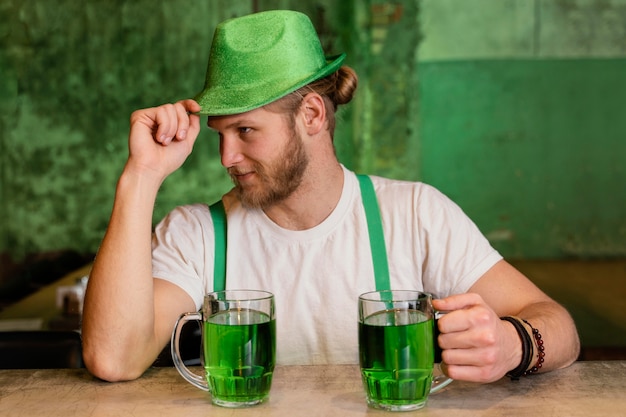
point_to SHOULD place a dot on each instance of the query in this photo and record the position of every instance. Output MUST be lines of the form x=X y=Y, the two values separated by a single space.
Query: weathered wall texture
x=72 y=72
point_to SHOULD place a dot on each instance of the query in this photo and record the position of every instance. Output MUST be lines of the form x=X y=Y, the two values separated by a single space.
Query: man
x=297 y=227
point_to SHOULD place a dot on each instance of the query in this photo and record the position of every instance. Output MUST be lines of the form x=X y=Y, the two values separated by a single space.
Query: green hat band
x=259 y=58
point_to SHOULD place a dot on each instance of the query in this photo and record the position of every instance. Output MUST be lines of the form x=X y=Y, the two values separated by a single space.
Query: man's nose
x=230 y=151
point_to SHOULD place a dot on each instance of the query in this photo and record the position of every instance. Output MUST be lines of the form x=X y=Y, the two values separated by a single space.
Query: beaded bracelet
x=524 y=364
x=540 y=350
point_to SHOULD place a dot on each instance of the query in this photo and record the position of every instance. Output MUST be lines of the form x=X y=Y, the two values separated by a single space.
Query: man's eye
x=244 y=130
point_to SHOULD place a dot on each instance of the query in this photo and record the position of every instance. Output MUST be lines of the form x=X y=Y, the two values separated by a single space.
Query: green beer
x=396 y=354
x=239 y=354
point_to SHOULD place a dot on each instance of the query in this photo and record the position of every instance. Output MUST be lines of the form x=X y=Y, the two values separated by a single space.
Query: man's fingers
x=183 y=121
x=191 y=106
x=457 y=306
x=457 y=302
x=468 y=357
x=166 y=123
x=175 y=121
x=191 y=119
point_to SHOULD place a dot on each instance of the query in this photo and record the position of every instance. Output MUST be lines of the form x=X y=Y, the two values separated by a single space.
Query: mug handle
x=441 y=380
x=194 y=379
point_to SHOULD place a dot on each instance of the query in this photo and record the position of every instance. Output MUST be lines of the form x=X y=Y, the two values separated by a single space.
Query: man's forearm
x=118 y=323
x=558 y=333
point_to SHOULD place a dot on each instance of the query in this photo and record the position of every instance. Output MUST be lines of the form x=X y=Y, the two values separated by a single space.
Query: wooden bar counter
x=584 y=389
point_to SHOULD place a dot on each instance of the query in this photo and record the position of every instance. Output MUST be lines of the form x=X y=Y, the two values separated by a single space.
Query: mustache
x=238 y=171
x=257 y=169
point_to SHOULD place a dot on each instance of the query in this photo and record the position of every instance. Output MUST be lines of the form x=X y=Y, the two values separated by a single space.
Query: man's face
x=264 y=156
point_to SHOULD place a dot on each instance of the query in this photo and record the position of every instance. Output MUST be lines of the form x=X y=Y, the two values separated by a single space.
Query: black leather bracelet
x=527 y=348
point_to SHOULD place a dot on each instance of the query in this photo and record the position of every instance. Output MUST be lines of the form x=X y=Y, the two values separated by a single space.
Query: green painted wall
x=533 y=150
x=522 y=107
x=433 y=76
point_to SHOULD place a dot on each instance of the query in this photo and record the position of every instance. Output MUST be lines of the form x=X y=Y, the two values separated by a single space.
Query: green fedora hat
x=259 y=58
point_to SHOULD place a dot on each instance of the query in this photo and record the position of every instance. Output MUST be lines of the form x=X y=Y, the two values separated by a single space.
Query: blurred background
x=513 y=108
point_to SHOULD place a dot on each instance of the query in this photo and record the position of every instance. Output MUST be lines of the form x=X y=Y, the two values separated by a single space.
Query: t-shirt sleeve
x=182 y=249
x=455 y=254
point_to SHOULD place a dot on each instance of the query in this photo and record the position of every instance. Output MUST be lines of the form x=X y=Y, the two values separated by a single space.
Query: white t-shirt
x=317 y=274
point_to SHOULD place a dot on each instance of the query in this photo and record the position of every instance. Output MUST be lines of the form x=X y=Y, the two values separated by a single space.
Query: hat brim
x=225 y=101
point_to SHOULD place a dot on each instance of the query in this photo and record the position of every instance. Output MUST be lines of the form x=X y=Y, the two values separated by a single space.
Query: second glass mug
x=238 y=346
x=397 y=349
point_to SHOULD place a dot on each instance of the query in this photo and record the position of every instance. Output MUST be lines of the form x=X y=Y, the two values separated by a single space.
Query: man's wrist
x=527 y=348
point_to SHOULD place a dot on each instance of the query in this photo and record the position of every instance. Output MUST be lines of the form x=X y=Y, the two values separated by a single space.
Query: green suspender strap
x=374 y=226
x=219 y=226
x=375 y=230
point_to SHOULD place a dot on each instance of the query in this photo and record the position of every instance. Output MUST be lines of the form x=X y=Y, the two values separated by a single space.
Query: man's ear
x=313 y=111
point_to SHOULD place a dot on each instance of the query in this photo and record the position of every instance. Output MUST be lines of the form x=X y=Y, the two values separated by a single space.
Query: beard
x=278 y=180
